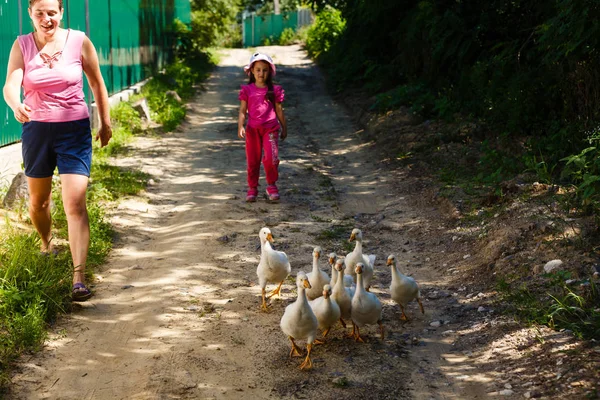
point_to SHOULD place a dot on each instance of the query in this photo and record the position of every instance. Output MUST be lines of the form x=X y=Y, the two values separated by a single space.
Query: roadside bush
x=287 y=37
x=583 y=170
x=327 y=28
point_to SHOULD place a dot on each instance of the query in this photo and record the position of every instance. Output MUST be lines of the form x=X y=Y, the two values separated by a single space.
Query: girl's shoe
x=251 y=195
x=272 y=193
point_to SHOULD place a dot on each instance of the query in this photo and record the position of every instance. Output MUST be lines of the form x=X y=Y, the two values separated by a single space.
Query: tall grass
x=554 y=303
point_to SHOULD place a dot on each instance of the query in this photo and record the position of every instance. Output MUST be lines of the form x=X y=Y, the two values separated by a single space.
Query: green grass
x=554 y=303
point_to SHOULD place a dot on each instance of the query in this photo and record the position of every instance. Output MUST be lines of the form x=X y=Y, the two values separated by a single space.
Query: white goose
x=299 y=321
x=366 y=307
x=348 y=282
x=342 y=295
x=357 y=256
x=403 y=289
x=316 y=277
x=326 y=309
x=273 y=267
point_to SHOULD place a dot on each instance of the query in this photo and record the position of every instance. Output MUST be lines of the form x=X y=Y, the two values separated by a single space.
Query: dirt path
x=176 y=311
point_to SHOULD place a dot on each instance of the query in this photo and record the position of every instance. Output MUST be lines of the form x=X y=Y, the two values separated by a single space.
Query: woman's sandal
x=80 y=291
x=51 y=250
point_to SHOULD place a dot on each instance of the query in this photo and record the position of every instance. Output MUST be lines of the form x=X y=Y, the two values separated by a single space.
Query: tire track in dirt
x=176 y=311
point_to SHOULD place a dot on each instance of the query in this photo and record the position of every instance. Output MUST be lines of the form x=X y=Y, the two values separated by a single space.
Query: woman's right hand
x=242 y=133
x=22 y=113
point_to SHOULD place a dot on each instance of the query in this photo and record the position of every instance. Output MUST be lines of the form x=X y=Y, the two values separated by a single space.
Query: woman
x=48 y=64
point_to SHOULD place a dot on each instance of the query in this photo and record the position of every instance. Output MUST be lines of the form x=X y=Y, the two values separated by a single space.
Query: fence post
x=20 y=8
x=243 y=32
x=252 y=30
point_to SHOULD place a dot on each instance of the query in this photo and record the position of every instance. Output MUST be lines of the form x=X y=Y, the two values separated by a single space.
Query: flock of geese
x=322 y=300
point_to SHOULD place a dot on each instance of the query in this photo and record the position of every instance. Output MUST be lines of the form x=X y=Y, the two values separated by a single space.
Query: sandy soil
x=176 y=312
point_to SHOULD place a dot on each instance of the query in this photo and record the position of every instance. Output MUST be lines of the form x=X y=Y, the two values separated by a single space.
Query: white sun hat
x=259 y=57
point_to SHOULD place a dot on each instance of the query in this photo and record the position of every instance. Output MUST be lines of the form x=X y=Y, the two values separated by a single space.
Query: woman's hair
x=270 y=90
x=32 y=2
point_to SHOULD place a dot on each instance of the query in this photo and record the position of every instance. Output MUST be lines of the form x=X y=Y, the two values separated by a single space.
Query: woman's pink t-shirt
x=54 y=94
x=261 y=112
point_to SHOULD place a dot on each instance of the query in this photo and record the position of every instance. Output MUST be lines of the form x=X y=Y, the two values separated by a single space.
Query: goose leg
x=322 y=341
x=276 y=291
x=264 y=306
x=353 y=334
x=295 y=352
x=307 y=364
x=421 y=306
x=357 y=336
x=343 y=323
x=403 y=317
x=381 y=329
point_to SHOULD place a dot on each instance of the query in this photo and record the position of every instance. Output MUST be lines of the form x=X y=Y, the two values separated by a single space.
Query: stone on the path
x=17 y=192
x=141 y=106
x=552 y=266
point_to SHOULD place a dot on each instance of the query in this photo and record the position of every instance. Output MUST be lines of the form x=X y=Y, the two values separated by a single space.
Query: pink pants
x=262 y=142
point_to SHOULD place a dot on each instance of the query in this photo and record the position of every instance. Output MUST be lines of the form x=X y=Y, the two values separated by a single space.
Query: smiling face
x=46 y=16
x=261 y=71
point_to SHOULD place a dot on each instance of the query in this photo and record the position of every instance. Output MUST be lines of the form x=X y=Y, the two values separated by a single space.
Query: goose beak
x=352 y=237
x=307 y=284
x=270 y=237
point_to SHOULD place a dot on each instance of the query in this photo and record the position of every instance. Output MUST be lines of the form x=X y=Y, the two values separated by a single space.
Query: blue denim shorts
x=66 y=145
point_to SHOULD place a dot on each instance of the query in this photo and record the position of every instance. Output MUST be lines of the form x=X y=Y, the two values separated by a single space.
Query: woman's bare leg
x=73 y=195
x=40 y=190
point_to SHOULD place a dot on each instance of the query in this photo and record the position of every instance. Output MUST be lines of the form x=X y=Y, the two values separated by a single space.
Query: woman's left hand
x=283 y=134
x=104 y=134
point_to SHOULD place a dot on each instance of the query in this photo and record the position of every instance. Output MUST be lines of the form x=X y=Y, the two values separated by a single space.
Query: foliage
x=526 y=69
x=328 y=26
x=267 y=7
x=213 y=24
x=555 y=303
x=583 y=170
x=287 y=37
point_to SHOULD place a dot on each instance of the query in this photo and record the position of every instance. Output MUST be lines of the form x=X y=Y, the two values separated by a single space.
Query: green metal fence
x=132 y=38
x=256 y=29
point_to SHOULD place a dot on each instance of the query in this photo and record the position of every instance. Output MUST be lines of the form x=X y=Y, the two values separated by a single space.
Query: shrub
x=287 y=37
x=328 y=26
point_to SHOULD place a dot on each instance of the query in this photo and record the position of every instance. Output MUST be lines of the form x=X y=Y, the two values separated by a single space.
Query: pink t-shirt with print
x=261 y=112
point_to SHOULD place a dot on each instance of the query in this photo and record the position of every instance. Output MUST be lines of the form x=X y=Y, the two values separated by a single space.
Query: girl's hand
x=283 y=134
x=242 y=133
x=22 y=113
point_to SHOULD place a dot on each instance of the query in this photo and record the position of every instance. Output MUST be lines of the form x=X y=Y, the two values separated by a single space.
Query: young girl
x=261 y=100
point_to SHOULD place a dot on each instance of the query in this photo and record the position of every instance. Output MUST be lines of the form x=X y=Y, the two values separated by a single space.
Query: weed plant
x=553 y=302
x=34 y=289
